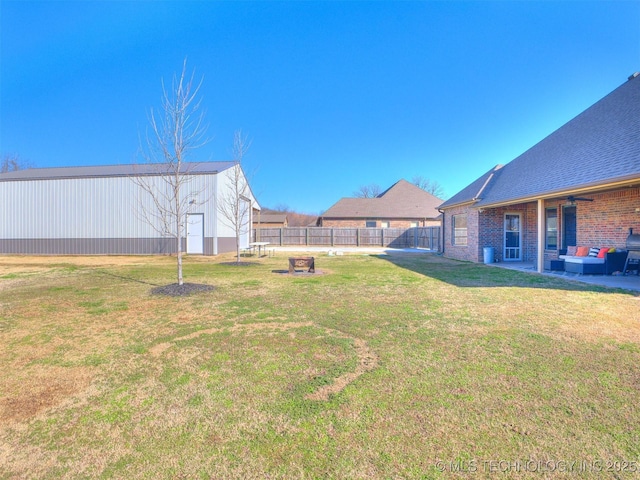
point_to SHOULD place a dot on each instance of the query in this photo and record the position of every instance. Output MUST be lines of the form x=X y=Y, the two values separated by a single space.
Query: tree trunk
x=179 y=252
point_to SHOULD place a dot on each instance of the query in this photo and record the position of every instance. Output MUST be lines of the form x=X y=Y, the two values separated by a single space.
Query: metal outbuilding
x=100 y=210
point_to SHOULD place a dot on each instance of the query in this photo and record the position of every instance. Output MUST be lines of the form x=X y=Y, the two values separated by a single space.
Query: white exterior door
x=195 y=233
x=512 y=237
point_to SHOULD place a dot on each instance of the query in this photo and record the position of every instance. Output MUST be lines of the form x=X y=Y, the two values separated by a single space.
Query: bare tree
x=234 y=205
x=368 y=191
x=176 y=131
x=431 y=186
x=12 y=162
x=282 y=207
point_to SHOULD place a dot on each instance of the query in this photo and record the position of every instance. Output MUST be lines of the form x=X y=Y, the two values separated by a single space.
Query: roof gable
x=599 y=146
x=401 y=200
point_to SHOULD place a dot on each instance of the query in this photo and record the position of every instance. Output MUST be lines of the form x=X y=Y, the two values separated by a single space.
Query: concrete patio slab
x=626 y=282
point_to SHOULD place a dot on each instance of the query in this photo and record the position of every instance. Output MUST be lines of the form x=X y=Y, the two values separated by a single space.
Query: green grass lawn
x=403 y=366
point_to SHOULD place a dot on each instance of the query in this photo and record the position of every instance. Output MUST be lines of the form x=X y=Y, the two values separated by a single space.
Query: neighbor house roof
x=111 y=171
x=601 y=146
x=401 y=200
x=271 y=218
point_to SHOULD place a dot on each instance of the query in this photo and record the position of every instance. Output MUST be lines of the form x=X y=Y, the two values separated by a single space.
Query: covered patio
x=627 y=282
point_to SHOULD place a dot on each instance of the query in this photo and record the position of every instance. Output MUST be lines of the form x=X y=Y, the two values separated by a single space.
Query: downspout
x=442 y=227
x=541 y=228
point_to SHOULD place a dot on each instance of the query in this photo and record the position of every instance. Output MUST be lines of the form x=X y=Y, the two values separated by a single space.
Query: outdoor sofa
x=593 y=261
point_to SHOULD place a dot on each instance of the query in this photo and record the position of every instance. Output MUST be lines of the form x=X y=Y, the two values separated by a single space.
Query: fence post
x=281 y=229
x=357 y=237
x=332 y=237
x=306 y=236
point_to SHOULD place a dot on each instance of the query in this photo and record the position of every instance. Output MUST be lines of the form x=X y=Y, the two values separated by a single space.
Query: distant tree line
x=373 y=190
x=294 y=219
x=12 y=162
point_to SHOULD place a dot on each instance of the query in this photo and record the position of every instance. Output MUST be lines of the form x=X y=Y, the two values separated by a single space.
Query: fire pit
x=302 y=262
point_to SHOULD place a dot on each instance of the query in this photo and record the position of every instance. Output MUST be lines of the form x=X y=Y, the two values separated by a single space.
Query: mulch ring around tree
x=175 y=290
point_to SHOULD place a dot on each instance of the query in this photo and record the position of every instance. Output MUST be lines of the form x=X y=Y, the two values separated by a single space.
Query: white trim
x=504 y=237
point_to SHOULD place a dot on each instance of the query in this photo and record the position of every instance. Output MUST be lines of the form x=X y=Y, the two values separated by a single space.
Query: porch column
x=541 y=232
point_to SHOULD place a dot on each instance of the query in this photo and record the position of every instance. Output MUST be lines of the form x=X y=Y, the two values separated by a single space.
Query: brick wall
x=605 y=222
x=469 y=252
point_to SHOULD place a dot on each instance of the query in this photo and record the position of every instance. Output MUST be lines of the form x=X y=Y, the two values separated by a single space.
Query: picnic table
x=260 y=245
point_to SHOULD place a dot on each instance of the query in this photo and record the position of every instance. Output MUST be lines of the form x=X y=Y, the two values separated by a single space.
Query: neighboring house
x=578 y=186
x=270 y=220
x=403 y=205
x=100 y=210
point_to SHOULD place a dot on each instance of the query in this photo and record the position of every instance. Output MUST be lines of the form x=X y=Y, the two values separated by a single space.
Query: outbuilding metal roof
x=131 y=170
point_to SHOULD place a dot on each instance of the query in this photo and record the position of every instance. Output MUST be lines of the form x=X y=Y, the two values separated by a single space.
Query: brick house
x=403 y=205
x=578 y=186
x=270 y=220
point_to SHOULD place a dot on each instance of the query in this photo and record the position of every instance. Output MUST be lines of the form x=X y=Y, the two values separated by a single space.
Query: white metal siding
x=107 y=207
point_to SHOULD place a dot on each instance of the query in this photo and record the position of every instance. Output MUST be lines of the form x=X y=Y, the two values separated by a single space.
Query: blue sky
x=334 y=95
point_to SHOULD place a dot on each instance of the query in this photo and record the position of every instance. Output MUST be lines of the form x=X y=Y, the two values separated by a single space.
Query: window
x=459 y=228
x=551 y=236
x=370 y=224
x=384 y=224
x=415 y=224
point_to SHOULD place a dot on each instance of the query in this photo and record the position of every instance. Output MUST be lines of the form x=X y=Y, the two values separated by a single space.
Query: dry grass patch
x=380 y=370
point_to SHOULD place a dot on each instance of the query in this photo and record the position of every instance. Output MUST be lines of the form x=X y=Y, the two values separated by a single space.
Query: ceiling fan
x=571 y=200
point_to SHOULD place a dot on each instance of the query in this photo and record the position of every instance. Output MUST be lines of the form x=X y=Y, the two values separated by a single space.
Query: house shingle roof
x=271 y=218
x=109 y=171
x=599 y=146
x=401 y=200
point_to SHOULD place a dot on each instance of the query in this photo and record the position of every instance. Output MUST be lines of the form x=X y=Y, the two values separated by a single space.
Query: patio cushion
x=583 y=260
x=603 y=252
x=593 y=252
x=582 y=252
x=571 y=250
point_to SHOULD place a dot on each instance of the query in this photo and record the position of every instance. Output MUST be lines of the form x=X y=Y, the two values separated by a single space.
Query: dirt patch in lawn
x=34 y=263
x=45 y=389
x=367 y=359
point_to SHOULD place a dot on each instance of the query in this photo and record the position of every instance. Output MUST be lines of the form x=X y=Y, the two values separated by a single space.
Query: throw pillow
x=582 y=251
x=612 y=249
x=603 y=252
x=593 y=252
x=571 y=250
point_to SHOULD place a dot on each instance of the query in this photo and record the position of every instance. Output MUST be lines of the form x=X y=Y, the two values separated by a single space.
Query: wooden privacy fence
x=415 y=237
